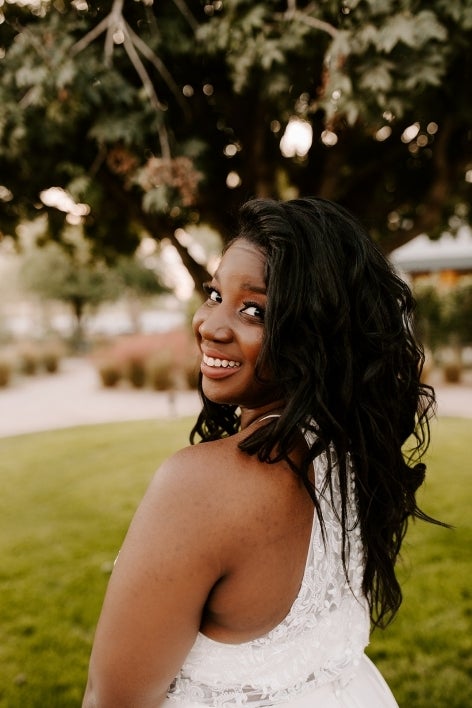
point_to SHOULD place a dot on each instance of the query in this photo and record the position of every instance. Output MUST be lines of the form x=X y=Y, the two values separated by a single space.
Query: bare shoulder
x=199 y=460
x=203 y=475
x=219 y=467
x=197 y=467
x=197 y=479
x=227 y=486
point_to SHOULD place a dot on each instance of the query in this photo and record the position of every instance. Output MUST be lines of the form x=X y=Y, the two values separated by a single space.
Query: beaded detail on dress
x=321 y=640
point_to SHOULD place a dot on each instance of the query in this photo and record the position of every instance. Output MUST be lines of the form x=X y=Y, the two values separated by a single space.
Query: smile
x=220 y=363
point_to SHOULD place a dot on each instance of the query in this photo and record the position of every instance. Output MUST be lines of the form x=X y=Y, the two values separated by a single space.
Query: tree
x=160 y=115
x=54 y=274
x=137 y=283
x=444 y=321
x=459 y=312
x=429 y=314
x=69 y=274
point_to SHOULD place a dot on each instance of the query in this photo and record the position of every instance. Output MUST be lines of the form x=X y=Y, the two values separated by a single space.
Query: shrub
x=191 y=372
x=110 y=373
x=50 y=358
x=135 y=372
x=163 y=361
x=452 y=372
x=5 y=372
x=28 y=361
x=160 y=371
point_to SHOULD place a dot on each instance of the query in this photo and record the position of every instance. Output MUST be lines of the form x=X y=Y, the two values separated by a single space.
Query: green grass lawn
x=66 y=501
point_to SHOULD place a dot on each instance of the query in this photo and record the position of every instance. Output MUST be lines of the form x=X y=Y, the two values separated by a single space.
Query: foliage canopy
x=161 y=115
x=444 y=315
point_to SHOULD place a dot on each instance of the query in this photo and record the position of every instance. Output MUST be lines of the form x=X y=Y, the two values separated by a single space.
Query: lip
x=213 y=372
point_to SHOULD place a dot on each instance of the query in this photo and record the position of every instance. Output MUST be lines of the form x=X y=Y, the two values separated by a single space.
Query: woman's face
x=229 y=328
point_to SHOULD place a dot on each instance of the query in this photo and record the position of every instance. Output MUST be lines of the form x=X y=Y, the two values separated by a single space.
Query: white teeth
x=218 y=363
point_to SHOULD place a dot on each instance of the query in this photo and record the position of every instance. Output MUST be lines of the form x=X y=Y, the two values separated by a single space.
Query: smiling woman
x=257 y=560
x=229 y=330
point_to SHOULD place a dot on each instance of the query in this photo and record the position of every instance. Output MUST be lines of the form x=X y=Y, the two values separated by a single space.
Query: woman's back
x=319 y=640
x=265 y=526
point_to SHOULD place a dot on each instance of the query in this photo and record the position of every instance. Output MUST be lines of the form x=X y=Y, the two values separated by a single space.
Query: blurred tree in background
x=56 y=274
x=137 y=283
x=157 y=115
x=68 y=273
x=444 y=314
x=444 y=321
x=429 y=316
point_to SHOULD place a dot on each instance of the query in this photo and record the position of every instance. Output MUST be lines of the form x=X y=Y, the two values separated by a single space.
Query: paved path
x=75 y=397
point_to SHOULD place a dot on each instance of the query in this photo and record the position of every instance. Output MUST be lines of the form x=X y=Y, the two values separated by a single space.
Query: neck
x=249 y=417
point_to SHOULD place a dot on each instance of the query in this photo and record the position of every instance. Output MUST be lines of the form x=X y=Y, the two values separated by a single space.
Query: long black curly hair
x=338 y=336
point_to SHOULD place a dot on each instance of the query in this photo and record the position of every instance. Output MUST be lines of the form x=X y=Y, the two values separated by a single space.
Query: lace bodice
x=321 y=639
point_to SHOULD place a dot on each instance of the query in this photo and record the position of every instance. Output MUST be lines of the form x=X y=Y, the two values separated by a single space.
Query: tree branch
x=25 y=101
x=115 y=22
x=315 y=23
x=183 y=7
x=198 y=272
x=304 y=16
x=149 y=88
x=111 y=23
x=90 y=36
x=147 y=52
x=158 y=227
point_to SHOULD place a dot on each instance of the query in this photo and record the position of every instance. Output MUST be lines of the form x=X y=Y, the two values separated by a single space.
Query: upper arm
x=170 y=560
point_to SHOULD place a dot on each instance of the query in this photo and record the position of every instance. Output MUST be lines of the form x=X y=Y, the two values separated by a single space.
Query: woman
x=257 y=561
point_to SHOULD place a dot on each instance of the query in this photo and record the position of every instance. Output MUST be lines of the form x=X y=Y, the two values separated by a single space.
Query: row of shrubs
x=161 y=362
x=157 y=372
x=28 y=360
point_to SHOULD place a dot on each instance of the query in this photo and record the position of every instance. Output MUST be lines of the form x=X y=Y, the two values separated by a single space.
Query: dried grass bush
x=6 y=370
x=28 y=360
x=160 y=371
x=452 y=372
x=191 y=372
x=135 y=371
x=50 y=358
x=110 y=373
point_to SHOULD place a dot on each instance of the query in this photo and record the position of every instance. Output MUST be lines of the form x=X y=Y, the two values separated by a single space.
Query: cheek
x=197 y=321
x=254 y=347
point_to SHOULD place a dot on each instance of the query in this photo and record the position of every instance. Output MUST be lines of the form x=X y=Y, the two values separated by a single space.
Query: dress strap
x=269 y=415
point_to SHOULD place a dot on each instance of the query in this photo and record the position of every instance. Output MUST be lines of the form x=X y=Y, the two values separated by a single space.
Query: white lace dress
x=314 y=658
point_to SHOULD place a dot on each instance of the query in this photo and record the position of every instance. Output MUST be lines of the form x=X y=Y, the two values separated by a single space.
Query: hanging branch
x=90 y=36
x=304 y=16
x=183 y=7
x=315 y=23
x=149 y=88
x=141 y=71
x=113 y=22
x=147 y=52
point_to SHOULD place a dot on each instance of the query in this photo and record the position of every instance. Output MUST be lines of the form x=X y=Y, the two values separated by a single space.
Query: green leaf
x=156 y=200
x=379 y=78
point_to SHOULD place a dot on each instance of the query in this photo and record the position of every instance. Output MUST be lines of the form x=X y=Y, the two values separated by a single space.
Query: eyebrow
x=254 y=288
x=249 y=287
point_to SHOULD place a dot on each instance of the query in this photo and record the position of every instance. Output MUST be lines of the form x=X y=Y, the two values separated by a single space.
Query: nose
x=212 y=324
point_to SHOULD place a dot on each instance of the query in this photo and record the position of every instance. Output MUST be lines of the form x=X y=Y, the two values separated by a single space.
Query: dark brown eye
x=253 y=310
